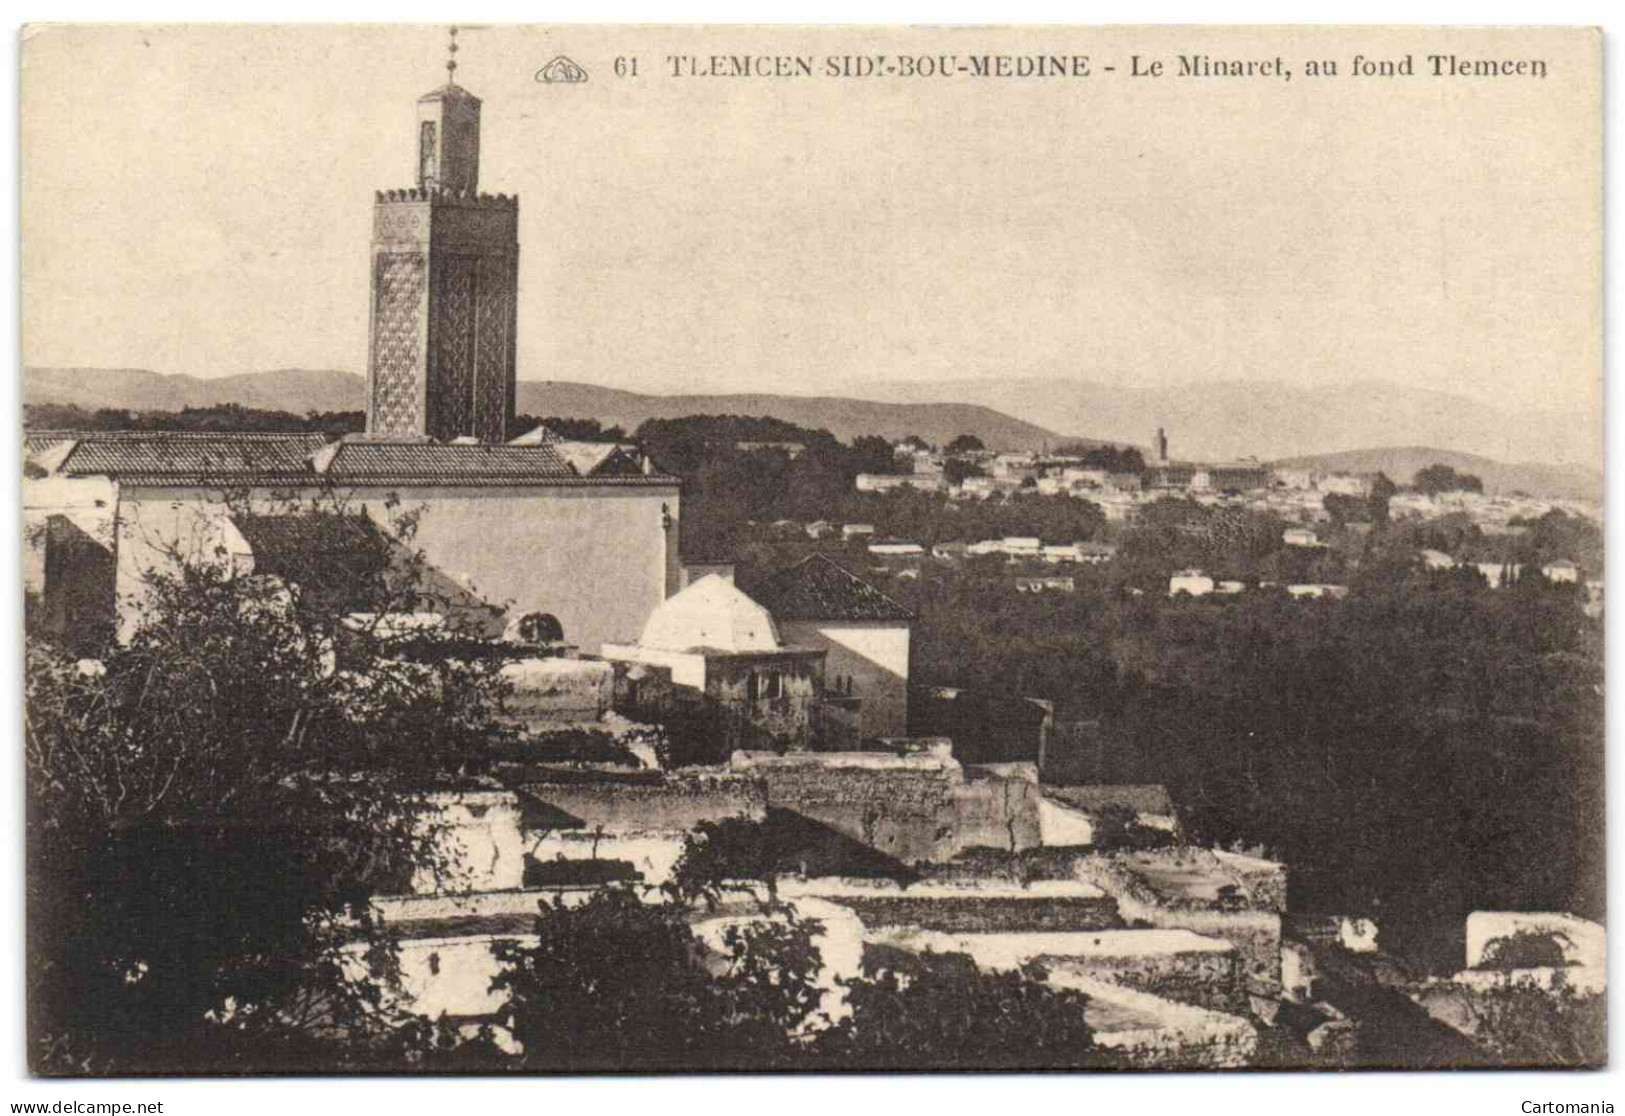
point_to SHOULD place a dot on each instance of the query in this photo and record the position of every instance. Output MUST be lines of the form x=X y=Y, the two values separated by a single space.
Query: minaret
x=445 y=273
x=1162 y=446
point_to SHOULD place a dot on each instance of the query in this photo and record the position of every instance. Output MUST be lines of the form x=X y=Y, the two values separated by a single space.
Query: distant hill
x=1265 y=419
x=1401 y=463
x=938 y=423
x=301 y=390
x=297 y=390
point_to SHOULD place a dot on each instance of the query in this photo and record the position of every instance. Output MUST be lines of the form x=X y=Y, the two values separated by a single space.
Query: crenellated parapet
x=442 y=196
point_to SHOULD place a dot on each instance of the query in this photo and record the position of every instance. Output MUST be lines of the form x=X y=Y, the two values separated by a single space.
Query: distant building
x=979 y=488
x=819 y=528
x=888 y=482
x=896 y=548
x=1117 y=507
x=1301 y=536
x=949 y=551
x=1561 y=572
x=1295 y=478
x=857 y=531
x=1499 y=573
x=792 y=450
x=1193 y=582
x=1168 y=477
x=1235 y=476
x=1347 y=484
x=1436 y=560
x=1046 y=585
x=1318 y=591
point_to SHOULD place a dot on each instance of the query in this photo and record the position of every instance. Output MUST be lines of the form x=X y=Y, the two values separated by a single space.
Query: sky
x=197 y=200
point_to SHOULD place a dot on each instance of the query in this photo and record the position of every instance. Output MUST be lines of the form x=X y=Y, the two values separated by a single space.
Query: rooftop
x=167 y=458
x=817 y=588
x=710 y=615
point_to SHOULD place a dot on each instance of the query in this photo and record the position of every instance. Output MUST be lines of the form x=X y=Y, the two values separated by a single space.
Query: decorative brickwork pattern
x=453 y=377
x=493 y=348
x=398 y=282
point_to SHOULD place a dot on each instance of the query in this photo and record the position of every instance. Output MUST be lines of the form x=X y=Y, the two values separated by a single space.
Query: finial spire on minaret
x=451 y=59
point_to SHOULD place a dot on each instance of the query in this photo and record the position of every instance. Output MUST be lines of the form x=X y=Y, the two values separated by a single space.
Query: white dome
x=710 y=613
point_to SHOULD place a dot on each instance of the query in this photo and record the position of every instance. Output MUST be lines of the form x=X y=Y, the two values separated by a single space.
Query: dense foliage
x=210 y=804
x=715 y=976
x=1442 y=478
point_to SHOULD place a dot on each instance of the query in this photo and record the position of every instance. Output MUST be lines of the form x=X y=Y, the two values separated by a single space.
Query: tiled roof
x=817 y=588
x=221 y=457
x=188 y=458
x=435 y=462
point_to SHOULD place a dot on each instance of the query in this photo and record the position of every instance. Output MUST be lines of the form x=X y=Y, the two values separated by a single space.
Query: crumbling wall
x=1206 y=978
x=674 y=802
x=978 y=914
x=999 y=811
x=1205 y=892
x=913 y=807
x=477 y=834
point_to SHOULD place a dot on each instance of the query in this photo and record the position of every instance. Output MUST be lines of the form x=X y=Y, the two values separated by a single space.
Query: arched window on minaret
x=426 y=163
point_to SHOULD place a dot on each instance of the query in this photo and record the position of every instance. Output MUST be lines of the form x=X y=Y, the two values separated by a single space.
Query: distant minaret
x=1162 y=447
x=445 y=275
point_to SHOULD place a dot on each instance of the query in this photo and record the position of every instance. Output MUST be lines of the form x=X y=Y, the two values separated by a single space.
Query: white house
x=1194 y=582
x=1499 y=573
x=895 y=547
x=1316 y=592
x=1561 y=571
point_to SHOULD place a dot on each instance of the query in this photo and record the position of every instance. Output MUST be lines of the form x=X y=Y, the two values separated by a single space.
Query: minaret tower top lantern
x=445 y=280
x=449 y=134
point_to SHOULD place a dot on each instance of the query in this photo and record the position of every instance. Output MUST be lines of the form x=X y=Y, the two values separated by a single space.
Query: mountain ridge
x=303 y=390
x=1268 y=419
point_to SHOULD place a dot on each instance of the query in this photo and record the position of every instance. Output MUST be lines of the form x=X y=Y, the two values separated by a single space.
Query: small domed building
x=725 y=655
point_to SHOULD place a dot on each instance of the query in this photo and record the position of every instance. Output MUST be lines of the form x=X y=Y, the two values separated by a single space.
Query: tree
x=210 y=805
x=956 y=470
x=940 y=1011
x=965 y=443
x=571 y=429
x=1382 y=490
x=620 y=984
x=874 y=455
x=1525 y=1026
x=1438 y=478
